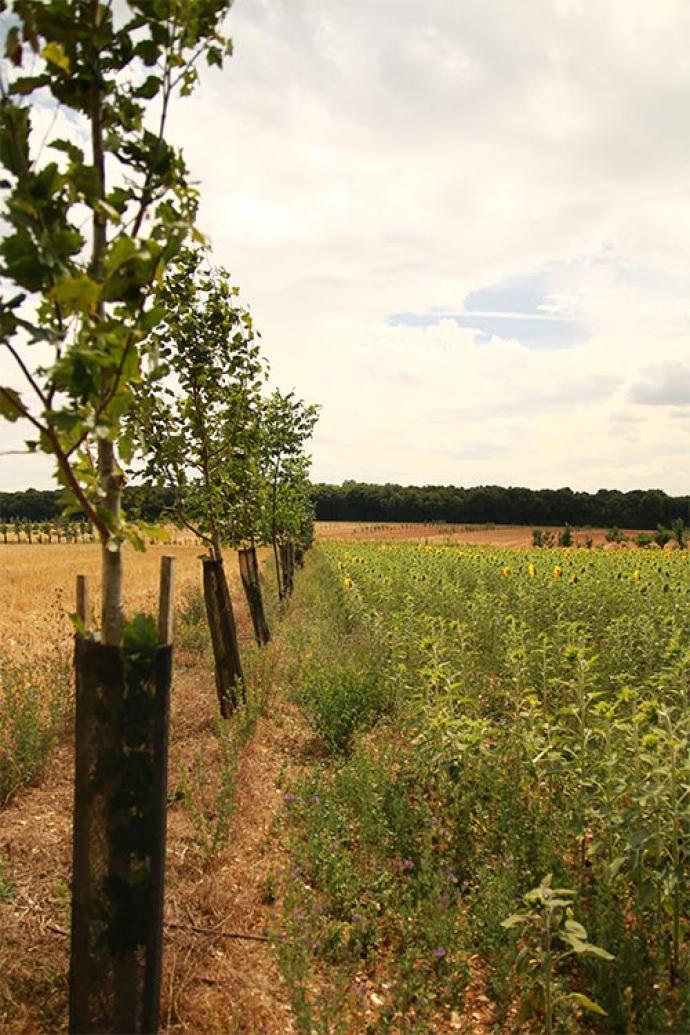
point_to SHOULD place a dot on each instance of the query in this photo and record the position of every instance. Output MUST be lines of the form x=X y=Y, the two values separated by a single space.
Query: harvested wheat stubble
x=38 y=582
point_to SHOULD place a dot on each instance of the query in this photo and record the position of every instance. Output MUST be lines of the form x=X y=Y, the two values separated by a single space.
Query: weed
x=7 y=890
x=339 y=701
x=31 y=718
x=192 y=632
x=209 y=795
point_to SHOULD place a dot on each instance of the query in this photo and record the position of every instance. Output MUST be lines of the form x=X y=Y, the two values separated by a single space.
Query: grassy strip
x=372 y=940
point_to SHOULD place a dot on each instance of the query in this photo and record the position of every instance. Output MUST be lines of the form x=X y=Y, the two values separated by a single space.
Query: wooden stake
x=166 y=609
x=83 y=608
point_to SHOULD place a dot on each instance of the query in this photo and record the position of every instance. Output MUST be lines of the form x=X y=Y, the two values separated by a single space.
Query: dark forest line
x=495 y=504
x=362 y=501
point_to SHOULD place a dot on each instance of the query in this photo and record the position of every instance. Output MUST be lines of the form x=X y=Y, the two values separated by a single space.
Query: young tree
x=197 y=434
x=77 y=309
x=288 y=423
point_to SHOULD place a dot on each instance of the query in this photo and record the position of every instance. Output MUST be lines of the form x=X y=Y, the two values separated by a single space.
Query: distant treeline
x=360 y=501
x=494 y=504
x=44 y=505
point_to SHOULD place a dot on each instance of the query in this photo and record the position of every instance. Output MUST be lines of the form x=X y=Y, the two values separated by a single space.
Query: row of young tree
x=233 y=459
x=496 y=504
x=130 y=353
x=155 y=366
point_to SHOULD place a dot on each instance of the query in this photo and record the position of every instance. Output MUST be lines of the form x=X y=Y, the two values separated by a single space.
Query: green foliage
x=34 y=705
x=370 y=882
x=565 y=538
x=614 y=535
x=340 y=701
x=287 y=424
x=203 y=440
x=496 y=505
x=7 y=890
x=140 y=635
x=678 y=529
x=192 y=631
x=541 y=725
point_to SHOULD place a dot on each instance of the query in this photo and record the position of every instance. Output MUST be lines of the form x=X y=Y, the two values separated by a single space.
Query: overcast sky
x=463 y=227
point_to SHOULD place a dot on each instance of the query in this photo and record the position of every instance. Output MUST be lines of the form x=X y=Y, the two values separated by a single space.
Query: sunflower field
x=509 y=797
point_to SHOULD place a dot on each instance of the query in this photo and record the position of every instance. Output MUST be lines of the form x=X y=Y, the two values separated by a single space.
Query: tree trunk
x=221 y=620
x=112 y=617
x=249 y=572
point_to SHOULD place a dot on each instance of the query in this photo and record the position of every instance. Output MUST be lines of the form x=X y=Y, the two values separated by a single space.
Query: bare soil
x=440 y=534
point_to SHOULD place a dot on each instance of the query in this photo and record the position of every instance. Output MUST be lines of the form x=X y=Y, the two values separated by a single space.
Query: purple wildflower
x=440 y=953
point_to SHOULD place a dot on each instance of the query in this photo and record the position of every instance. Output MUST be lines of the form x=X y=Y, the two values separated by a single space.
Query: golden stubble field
x=38 y=587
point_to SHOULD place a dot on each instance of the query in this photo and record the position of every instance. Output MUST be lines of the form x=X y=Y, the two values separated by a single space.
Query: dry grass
x=37 y=589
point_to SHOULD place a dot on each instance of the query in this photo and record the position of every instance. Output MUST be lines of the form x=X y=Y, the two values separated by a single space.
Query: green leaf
x=514 y=921
x=121 y=250
x=13 y=46
x=108 y=210
x=74 y=153
x=148 y=51
x=79 y=293
x=594 y=950
x=149 y=88
x=54 y=54
x=140 y=633
x=11 y=406
x=28 y=83
x=586 y=1003
x=78 y=623
x=14 y=137
x=616 y=866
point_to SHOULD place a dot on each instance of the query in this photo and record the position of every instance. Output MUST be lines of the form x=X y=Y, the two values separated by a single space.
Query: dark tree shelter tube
x=119 y=827
x=221 y=620
x=119 y=837
x=249 y=573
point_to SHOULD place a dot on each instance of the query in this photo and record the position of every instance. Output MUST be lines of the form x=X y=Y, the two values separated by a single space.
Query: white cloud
x=359 y=160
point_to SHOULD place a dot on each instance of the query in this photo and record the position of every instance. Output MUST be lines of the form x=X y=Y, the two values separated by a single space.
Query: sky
x=463 y=228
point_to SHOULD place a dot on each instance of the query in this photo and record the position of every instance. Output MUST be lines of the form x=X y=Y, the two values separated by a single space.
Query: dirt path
x=215 y=983
x=211 y=982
